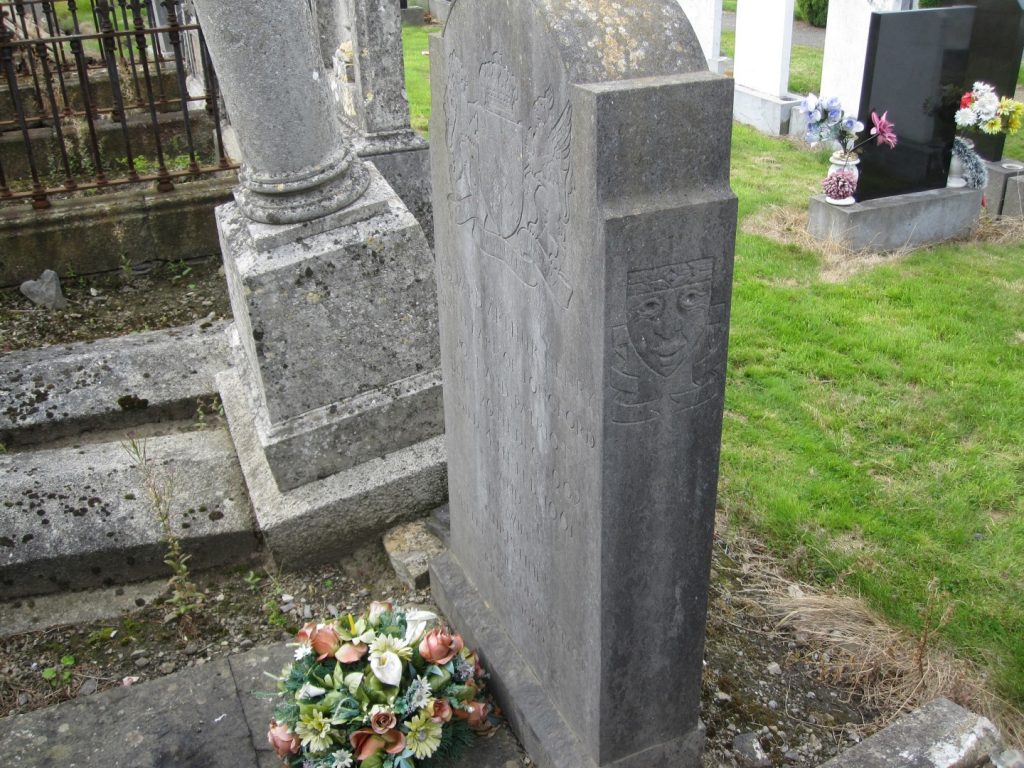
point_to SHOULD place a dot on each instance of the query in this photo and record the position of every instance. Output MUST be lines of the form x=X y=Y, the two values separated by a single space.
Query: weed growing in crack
x=185 y=595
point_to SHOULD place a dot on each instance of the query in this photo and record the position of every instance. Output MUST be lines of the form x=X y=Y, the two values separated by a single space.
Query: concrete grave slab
x=57 y=391
x=76 y=518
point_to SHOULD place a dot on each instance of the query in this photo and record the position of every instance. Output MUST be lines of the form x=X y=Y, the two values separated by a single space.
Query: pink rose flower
x=305 y=635
x=366 y=743
x=282 y=740
x=349 y=653
x=325 y=641
x=440 y=647
x=442 y=711
x=476 y=716
x=382 y=721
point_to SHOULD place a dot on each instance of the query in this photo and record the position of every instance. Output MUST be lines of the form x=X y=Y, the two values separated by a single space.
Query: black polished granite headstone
x=996 y=47
x=915 y=69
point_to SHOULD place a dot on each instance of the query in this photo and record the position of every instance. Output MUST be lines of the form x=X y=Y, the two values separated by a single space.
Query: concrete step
x=111 y=384
x=79 y=517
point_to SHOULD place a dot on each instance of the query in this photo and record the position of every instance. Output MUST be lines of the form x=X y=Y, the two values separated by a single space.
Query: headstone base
x=1013 y=199
x=328 y=518
x=900 y=221
x=337 y=336
x=534 y=718
x=999 y=175
x=768 y=114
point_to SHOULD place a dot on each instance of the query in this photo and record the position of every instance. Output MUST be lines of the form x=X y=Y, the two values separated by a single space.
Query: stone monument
x=764 y=43
x=369 y=83
x=706 y=19
x=584 y=231
x=335 y=404
x=846 y=45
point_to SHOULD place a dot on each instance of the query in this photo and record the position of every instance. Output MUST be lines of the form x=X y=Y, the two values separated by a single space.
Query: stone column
x=334 y=401
x=764 y=42
x=370 y=85
x=296 y=163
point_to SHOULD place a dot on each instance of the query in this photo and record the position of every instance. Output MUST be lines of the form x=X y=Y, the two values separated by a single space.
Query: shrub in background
x=814 y=12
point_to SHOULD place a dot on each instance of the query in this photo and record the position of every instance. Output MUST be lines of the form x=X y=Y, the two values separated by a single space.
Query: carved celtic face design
x=668 y=313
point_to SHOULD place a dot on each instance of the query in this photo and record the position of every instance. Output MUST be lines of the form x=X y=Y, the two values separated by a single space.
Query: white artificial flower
x=310 y=691
x=303 y=651
x=965 y=117
x=342 y=759
x=987 y=105
x=416 y=624
x=981 y=88
x=387 y=667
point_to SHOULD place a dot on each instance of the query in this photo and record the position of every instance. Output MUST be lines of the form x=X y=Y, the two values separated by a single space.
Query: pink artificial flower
x=325 y=641
x=350 y=653
x=283 y=741
x=377 y=608
x=441 y=712
x=440 y=647
x=476 y=716
x=366 y=743
x=382 y=721
x=884 y=131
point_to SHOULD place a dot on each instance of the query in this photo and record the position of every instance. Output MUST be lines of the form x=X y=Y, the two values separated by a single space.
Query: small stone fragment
x=45 y=291
x=749 y=752
x=774 y=668
x=411 y=547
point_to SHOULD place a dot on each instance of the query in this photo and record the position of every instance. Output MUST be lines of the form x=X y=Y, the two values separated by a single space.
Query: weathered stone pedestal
x=1013 y=198
x=334 y=403
x=584 y=232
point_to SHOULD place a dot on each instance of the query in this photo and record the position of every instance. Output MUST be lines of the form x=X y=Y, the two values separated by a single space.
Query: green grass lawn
x=874 y=431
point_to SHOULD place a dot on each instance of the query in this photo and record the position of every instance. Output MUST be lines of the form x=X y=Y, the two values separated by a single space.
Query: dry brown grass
x=891 y=670
x=839 y=263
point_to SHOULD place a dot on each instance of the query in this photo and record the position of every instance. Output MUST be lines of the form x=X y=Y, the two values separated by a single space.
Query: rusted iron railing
x=95 y=91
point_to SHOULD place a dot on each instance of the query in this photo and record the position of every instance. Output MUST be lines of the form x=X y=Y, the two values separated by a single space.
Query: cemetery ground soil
x=757 y=679
x=156 y=295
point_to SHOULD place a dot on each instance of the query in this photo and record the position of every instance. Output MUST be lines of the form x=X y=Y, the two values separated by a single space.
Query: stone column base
x=327 y=518
x=403 y=158
x=337 y=335
x=769 y=114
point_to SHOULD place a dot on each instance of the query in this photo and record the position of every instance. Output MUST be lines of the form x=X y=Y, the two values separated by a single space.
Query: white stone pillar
x=846 y=43
x=705 y=17
x=296 y=163
x=764 y=42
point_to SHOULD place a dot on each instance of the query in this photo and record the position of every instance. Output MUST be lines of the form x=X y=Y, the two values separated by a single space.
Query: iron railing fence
x=90 y=86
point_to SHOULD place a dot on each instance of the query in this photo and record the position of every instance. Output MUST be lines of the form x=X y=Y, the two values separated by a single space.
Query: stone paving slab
x=64 y=390
x=81 y=516
x=192 y=718
x=204 y=717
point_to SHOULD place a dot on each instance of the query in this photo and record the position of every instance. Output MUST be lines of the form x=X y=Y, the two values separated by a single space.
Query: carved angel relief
x=513 y=195
x=665 y=353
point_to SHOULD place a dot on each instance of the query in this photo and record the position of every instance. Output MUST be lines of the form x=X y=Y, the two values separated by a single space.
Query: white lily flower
x=416 y=624
x=310 y=691
x=387 y=667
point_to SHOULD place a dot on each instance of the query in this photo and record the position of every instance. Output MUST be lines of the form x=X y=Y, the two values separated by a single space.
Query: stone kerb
x=584 y=232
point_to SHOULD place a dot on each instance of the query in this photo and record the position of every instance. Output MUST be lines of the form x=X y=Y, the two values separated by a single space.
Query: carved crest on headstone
x=671 y=329
x=515 y=197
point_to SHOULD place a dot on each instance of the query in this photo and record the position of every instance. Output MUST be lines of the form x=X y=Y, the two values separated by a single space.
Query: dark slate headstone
x=997 y=43
x=915 y=69
x=585 y=236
